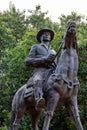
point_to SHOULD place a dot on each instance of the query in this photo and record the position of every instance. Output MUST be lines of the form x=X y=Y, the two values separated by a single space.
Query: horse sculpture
x=61 y=86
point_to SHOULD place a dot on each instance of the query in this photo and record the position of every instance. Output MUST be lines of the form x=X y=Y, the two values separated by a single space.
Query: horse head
x=71 y=30
x=69 y=39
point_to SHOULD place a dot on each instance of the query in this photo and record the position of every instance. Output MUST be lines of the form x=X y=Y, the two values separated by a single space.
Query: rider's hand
x=51 y=57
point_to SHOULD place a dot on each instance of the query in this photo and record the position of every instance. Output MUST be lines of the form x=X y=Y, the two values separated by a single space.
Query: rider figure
x=42 y=59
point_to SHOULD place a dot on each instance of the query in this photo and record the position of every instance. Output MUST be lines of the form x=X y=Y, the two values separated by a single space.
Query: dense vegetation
x=17 y=34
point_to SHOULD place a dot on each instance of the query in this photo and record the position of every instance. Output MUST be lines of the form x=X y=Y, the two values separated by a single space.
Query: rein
x=58 y=50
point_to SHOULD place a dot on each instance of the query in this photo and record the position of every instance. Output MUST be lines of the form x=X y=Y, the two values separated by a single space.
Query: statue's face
x=46 y=36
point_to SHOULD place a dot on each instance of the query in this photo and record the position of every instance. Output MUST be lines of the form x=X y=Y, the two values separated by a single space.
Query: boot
x=40 y=103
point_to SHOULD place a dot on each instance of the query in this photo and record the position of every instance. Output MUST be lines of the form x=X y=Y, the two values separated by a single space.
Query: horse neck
x=69 y=41
x=68 y=62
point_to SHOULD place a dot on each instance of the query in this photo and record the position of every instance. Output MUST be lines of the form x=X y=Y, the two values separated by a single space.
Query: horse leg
x=12 y=120
x=15 y=119
x=35 y=118
x=53 y=98
x=73 y=110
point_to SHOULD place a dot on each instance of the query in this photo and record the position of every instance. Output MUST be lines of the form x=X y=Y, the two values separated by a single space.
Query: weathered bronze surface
x=49 y=85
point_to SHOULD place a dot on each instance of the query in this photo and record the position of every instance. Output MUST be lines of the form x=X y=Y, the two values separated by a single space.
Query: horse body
x=62 y=87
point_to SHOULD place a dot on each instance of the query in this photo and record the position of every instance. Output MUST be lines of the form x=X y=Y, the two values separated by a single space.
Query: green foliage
x=7 y=40
x=82 y=73
x=16 y=21
x=39 y=20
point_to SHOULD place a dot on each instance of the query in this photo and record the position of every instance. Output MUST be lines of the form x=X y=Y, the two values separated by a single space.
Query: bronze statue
x=63 y=84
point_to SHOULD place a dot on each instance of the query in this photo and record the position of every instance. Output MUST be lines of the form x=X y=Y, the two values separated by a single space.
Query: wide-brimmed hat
x=42 y=31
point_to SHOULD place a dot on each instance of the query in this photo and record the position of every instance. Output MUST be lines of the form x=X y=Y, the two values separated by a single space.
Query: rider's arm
x=35 y=60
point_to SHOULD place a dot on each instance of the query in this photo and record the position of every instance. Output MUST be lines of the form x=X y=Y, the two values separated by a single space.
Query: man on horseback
x=42 y=59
